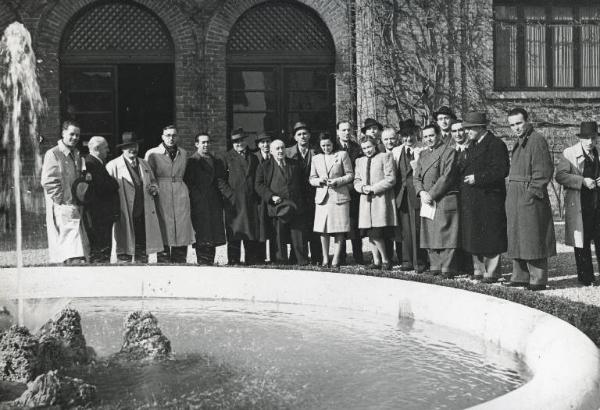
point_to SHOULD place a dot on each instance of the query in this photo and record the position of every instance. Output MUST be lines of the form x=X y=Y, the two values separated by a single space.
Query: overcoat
x=205 y=198
x=483 y=216
x=66 y=234
x=102 y=207
x=437 y=174
x=241 y=200
x=123 y=232
x=380 y=209
x=294 y=190
x=354 y=151
x=569 y=174
x=173 y=198
x=266 y=230
x=308 y=191
x=529 y=215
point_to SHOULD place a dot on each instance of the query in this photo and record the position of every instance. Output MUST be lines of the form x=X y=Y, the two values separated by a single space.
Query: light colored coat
x=381 y=210
x=570 y=175
x=174 y=197
x=66 y=234
x=123 y=232
x=340 y=172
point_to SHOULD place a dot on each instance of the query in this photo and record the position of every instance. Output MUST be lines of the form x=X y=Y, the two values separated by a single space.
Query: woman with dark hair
x=331 y=173
x=436 y=185
x=374 y=179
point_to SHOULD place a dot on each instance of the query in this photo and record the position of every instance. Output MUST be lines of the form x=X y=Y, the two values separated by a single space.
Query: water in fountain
x=20 y=103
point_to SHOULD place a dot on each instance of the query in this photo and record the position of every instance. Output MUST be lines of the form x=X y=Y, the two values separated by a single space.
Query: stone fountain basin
x=564 y=362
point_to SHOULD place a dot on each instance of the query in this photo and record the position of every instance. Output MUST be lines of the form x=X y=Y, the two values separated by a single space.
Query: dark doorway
x=111 y=99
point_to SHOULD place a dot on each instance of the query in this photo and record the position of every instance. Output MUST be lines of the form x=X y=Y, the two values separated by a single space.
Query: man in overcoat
x=168 y=162
x=241 y=202
x=303 y=153
x=265 y=226
x=530 y=229
x=579 y=172
x=102 y=201
x=137 y=231
x=483 y=193
x=279 y=182
x=201 y=177
x=436 y=183
x=346 y=143
x=405 y=157
x=62 y=166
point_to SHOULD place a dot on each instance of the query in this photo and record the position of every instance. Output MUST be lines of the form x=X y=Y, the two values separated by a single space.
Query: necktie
x=134 y=163
x=409 y=153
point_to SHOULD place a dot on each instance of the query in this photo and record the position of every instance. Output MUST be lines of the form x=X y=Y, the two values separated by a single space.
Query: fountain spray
x=20 y=105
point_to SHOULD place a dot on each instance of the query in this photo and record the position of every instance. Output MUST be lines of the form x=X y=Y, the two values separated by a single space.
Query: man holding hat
x=483 y=193
x=241 y=202
x=168 y=162
x=303 y=153
x=137 y=231
x=266 y=229
x=444 y=117
x=579 y=172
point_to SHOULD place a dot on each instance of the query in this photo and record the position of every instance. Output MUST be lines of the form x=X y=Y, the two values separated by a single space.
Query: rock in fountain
x=50 y=389
x=19 y=360
x=143 y=339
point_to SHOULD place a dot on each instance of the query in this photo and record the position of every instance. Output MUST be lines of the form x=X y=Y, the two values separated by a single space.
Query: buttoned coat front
x=437 y=174
x=123 y=232
x=66 y=234
x=529 y=215
x=173 y=198
x=241 y=200
x=380 y=210
x=569 y=174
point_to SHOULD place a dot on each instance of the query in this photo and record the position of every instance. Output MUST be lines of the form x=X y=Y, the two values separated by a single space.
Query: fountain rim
x=533 y=335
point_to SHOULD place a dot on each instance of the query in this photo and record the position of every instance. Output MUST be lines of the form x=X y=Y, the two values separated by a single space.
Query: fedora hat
x=128 y=138
x=369 y=122
x=262 y=136
x=79 y=191
x=284 y=210
x=237 y=134
x=588 y=129
x=299 y=126
x=445 y=110
x=407 y=126
x=475 y=119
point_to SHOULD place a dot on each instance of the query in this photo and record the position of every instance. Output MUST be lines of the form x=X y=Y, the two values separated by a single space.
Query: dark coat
x=205 y=198
x=241 y=201
x=437 y=174
x=102 y=196
x=266 y=230
x=483 y=217
x=354 y=152
x=529 y=215
x=308 y=191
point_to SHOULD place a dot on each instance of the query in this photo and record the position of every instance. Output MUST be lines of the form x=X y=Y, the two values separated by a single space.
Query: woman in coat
x=331 y=173
x=436 y=184
x=374 y=179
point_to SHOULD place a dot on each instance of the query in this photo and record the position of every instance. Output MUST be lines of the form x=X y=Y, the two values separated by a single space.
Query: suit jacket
x=241 y=200
x=341 y=172
x=102 y=196
x=294 y=178
x=404 y=177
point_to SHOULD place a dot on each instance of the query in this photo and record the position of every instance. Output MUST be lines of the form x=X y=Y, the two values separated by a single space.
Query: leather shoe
x=586 y=282
x=435 y=272
x=374 y=266
x=405 y=267
x=478 y=277
x=536 y=287
x=448 y=275
x=420 y=269
x=511 y=284
x=387 y=266
x=489 y=280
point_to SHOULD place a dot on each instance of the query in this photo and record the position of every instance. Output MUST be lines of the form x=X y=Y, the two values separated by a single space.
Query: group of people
x=438 y=194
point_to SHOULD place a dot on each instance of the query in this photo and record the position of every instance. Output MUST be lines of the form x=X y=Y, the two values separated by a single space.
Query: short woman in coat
x=374 y=179
x=331 y=172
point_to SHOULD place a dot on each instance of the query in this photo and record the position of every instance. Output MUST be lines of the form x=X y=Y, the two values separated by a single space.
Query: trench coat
x=530 y=227
x=173 y=198
x=380 y=211
x=437 y=174
x=570 y=175
x=482 y=212
x=64 y=224
x=266 y=229
x=205 y=199
x=241 y=200
x=123 y=232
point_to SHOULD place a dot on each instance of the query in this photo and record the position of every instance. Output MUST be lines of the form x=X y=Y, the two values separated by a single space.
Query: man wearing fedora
x=444 y=116
x=303 y=153
x=279 y=182
x=137 y=231
x=168 y=162
x=530 y=228
x=579 y=172
x=483 y=193
x=241 y=202
x=265 y=226
x=346 y=143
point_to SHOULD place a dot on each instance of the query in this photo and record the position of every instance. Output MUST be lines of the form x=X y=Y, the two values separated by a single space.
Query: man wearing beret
x=303 y=153
x=483 y=192
x=579 y=172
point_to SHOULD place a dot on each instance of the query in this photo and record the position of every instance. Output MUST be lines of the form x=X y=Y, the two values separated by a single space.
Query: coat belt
x=519 y=178
x=172 y=179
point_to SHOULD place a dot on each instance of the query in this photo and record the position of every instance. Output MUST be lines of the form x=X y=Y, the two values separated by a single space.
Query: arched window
x=280 y=60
